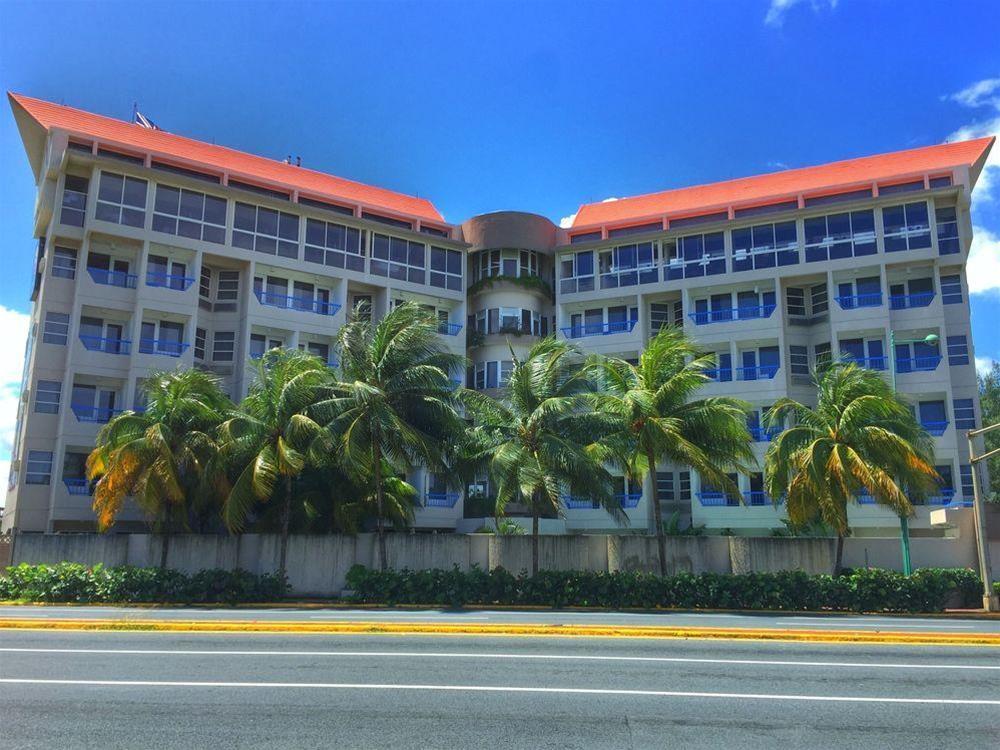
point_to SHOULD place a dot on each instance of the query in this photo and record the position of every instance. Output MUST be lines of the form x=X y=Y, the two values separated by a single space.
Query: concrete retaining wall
x=318 y=565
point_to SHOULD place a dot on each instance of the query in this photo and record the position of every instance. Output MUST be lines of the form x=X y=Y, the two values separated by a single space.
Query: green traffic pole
x=904 y=524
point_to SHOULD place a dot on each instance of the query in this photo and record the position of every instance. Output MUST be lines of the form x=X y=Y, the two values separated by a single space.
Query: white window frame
x=136 y=212
x=204 y=230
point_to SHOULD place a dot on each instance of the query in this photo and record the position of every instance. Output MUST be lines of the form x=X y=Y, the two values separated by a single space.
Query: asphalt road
x=791 y=621
x=202 y=690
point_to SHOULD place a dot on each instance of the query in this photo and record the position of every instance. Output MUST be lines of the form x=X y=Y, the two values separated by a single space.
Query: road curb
x=518 y=630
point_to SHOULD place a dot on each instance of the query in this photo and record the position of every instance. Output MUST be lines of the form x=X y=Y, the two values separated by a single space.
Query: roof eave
x=33 y=135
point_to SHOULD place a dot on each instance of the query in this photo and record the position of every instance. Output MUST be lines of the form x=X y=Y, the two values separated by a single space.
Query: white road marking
x=407 y=615
x=470 y=655
x=504 y=689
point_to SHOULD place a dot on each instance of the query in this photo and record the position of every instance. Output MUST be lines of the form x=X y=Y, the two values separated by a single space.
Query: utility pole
x=990 y=599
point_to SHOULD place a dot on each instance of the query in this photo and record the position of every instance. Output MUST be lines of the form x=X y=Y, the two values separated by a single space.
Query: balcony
x=113 y=278
x=163 y=347
x=629 y=499
x=864 y=498
x=918 y=364
x=761 y=372
x=946 y=496
x=598 y=329
x=717 y=499
x=935 y=428
x=78 y=486
x=625 y=500
x=108 y=346
x=737 y=313
x=756 y=498
x=856 y=301
x=301 y=304
x=449 y=329
x=906 y=301
x=440 y=499
x=169 y=281
x=720 y=374
x=871 y=363
x=94 y=414
x=763 y=434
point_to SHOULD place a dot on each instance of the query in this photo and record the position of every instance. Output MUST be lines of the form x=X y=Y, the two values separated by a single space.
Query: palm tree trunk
x=838 y=562
x=286 y=518
x=164 y=538
x=383 y=557
x=661 y=537
x=534 y=541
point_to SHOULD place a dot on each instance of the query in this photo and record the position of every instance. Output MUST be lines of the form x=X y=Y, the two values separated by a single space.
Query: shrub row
x=72 y=582
x=862 y=590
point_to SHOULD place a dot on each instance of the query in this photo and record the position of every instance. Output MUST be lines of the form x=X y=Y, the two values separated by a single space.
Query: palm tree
x=661 y=418
x=860 y=437
x=539 y=439
x=160 y=456
x=268 y=442
x=395 y=405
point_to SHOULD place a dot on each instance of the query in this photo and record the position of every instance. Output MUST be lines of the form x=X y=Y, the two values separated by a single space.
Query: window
x=163 y=272
x=822 y=354
x=965 y=413
x=446 y=268
x=335 y=245
x=266 y=230
x=795 y=301
x=223 y=346
x=840 y=236
x=684 y=485
x=199 y=343
x=188 y=213
x=660 y=315
x=947 y=230
x=765 y=246
x=576 y=272
x=39 y=467
x=696 y=255
x=628 y=265
x=229 y=286
x=665 y=486
x=951 y=289
x=965 y=477
x=121 y=199
x=798 y=360
x=863 y=292
x=398 y=259
x=162 y=337
x=47 y=394
x=819 y=299
x=958 y=350
x=906 y=227
x=74 y=203
x=933 y=416
x=494 y=374
x=205 y=283
x=510 y=262
x=56 y=328
x=64 y=263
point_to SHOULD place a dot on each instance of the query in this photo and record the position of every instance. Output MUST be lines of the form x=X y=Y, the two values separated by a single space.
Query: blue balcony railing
x=162 y=346
x=705 y=317
x=761 y=372
x=629 y=499
x=712 y=498
x=113 y=278
x=720 y=374
x=762 y=434
x=77 y=486
x=91 y=413
x=440 y=499
x=872 y=363
x=904 y=301
x=918 y=364
x=946 y=496
x=449 y=329
x=169 y=281
x=599 y=329
x=302 y=304
x=864 y=498
x=756 y=497
x=108 y=346
x=856 y=301
x=935 y=428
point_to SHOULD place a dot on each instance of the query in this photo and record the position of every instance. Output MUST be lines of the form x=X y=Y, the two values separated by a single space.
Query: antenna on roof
x=298 y=161
x=288 y=159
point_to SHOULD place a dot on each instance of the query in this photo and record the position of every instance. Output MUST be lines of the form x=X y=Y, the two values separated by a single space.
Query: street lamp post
x=904 y=523
x=990 y=599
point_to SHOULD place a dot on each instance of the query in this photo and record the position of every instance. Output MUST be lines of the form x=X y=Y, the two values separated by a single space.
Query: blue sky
x=537 y=106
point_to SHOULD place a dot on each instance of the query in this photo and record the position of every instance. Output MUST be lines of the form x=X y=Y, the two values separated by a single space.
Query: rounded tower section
x=510 y=294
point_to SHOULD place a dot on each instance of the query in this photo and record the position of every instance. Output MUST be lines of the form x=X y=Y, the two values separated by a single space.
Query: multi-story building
x=156 y=250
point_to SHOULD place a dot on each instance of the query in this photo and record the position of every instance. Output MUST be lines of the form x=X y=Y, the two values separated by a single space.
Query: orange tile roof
x=771 y=188
x=240 y=165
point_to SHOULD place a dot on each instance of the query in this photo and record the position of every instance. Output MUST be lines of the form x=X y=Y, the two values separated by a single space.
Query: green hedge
x=72 y=582
x=863 y=590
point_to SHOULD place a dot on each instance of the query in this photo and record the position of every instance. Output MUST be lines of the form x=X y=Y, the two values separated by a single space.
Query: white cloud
x=984 y=364
x=978 y=94
x=778 y=9
x=982 y=94
x=983 y=269
x=13 y=333
x=567 y=221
